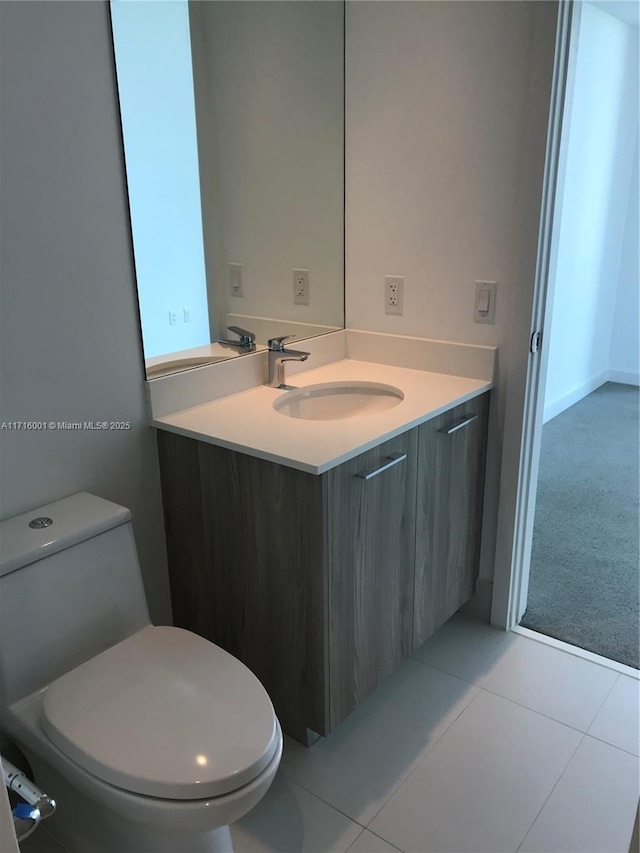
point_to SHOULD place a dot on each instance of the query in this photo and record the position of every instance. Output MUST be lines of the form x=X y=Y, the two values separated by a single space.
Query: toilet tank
x=68 y=590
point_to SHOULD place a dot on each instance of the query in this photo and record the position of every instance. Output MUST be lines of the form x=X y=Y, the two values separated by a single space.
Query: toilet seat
x=164 y=713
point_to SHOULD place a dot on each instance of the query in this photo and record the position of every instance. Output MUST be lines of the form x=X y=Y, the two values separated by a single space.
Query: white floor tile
x=562 y=686
x=466 y=648
x=291 y=820
x=618 y=722
x=370 y=843
x=551 y=681
x=593 y=806
x=480 y=788
x=358 y=767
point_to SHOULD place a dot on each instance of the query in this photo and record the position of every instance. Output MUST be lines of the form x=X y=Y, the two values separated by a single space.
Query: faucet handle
x=245 y=336
x=277 y=344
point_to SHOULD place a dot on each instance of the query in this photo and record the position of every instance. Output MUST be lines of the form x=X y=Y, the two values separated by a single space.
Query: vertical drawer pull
x=467 y=419
x=392 y=460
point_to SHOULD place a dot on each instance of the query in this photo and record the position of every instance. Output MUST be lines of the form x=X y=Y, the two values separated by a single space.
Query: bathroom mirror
x=233 y=124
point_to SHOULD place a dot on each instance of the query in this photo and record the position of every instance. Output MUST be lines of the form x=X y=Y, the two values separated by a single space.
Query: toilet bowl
x=150 y=738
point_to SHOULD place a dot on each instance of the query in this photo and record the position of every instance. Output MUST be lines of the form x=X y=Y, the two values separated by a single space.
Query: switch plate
x=393 y=294
x=186 y=315
x=235 y=280
x=301 y=287
x=485 y=303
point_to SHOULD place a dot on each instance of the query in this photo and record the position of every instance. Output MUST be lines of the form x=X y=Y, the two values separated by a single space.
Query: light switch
x=235 y=280
x=484 y=300
x=485 y=303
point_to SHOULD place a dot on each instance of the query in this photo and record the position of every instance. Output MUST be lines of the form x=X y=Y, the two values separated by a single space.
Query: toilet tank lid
x=74 y=519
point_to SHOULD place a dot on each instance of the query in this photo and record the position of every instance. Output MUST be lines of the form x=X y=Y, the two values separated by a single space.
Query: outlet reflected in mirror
x=233 y=125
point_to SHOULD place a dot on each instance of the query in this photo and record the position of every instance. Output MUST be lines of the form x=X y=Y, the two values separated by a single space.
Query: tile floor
x=483 y=742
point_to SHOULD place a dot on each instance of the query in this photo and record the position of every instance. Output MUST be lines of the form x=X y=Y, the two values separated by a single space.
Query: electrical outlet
x=485 y=303
x=186 y=315
x=301 y=287
x=173 y=318
x=393 y=294
x=235 y=280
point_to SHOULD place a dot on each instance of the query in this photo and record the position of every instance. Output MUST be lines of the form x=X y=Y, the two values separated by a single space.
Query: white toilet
x=149 y=738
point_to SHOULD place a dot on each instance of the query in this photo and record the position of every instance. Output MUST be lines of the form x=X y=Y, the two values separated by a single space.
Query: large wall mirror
x=233 y=124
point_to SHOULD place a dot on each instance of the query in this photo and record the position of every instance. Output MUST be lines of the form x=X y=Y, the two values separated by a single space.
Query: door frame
x=551 y=87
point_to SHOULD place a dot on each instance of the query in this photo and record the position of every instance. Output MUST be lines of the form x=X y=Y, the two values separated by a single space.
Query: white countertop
x=248 y=423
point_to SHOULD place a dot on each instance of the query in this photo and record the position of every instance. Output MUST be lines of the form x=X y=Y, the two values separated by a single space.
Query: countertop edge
x=306 y=467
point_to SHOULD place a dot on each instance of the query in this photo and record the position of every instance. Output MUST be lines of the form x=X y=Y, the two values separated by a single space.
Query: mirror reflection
x=233 y=124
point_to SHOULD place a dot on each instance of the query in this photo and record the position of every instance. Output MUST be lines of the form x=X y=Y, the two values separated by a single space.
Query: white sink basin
x=333 y=401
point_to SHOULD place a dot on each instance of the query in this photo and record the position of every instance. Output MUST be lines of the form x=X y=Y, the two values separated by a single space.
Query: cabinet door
x=451 y=463
x=370 y=513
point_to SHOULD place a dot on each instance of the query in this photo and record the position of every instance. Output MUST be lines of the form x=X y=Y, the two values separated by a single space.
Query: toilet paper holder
x=37 y=805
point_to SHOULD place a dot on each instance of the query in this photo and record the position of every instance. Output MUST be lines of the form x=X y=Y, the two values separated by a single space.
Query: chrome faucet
x=277 y=356
x=247 y=342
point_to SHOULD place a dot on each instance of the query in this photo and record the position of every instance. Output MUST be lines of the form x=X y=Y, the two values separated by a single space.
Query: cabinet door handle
x=392 y=460
x=468 y=419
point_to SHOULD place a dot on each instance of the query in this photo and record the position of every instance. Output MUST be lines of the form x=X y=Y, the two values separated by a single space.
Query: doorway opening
x=584 y=587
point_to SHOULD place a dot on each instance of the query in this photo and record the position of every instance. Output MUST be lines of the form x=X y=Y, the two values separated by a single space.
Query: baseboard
x=556 y=407
x=624 y=377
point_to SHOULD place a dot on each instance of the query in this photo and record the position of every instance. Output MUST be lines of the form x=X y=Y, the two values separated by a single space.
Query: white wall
x=436 y=96
x=594 y=309
x=624 y=357
x=269 y=84
x=153 y=54
x=70 y=339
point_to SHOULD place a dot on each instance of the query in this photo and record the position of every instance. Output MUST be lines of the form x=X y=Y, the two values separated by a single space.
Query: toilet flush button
x=40 y=522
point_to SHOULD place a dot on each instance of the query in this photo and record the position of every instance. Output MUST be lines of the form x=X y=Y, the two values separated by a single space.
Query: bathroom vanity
x=323 y=571
x=319 y=544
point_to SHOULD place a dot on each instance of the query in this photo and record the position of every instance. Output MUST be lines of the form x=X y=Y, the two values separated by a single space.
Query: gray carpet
x=585 y=587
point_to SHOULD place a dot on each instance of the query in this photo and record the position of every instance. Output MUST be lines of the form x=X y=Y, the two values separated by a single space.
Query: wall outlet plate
x=393 y=294
x=301 y=287
x=235 y=280
x=484 y=310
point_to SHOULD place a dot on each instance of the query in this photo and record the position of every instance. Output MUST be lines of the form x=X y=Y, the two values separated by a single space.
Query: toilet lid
x=164 y=713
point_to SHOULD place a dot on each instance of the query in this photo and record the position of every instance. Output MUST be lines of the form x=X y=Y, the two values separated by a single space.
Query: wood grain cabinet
x=451 y=465
x=370 y=527
x=323 y=584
